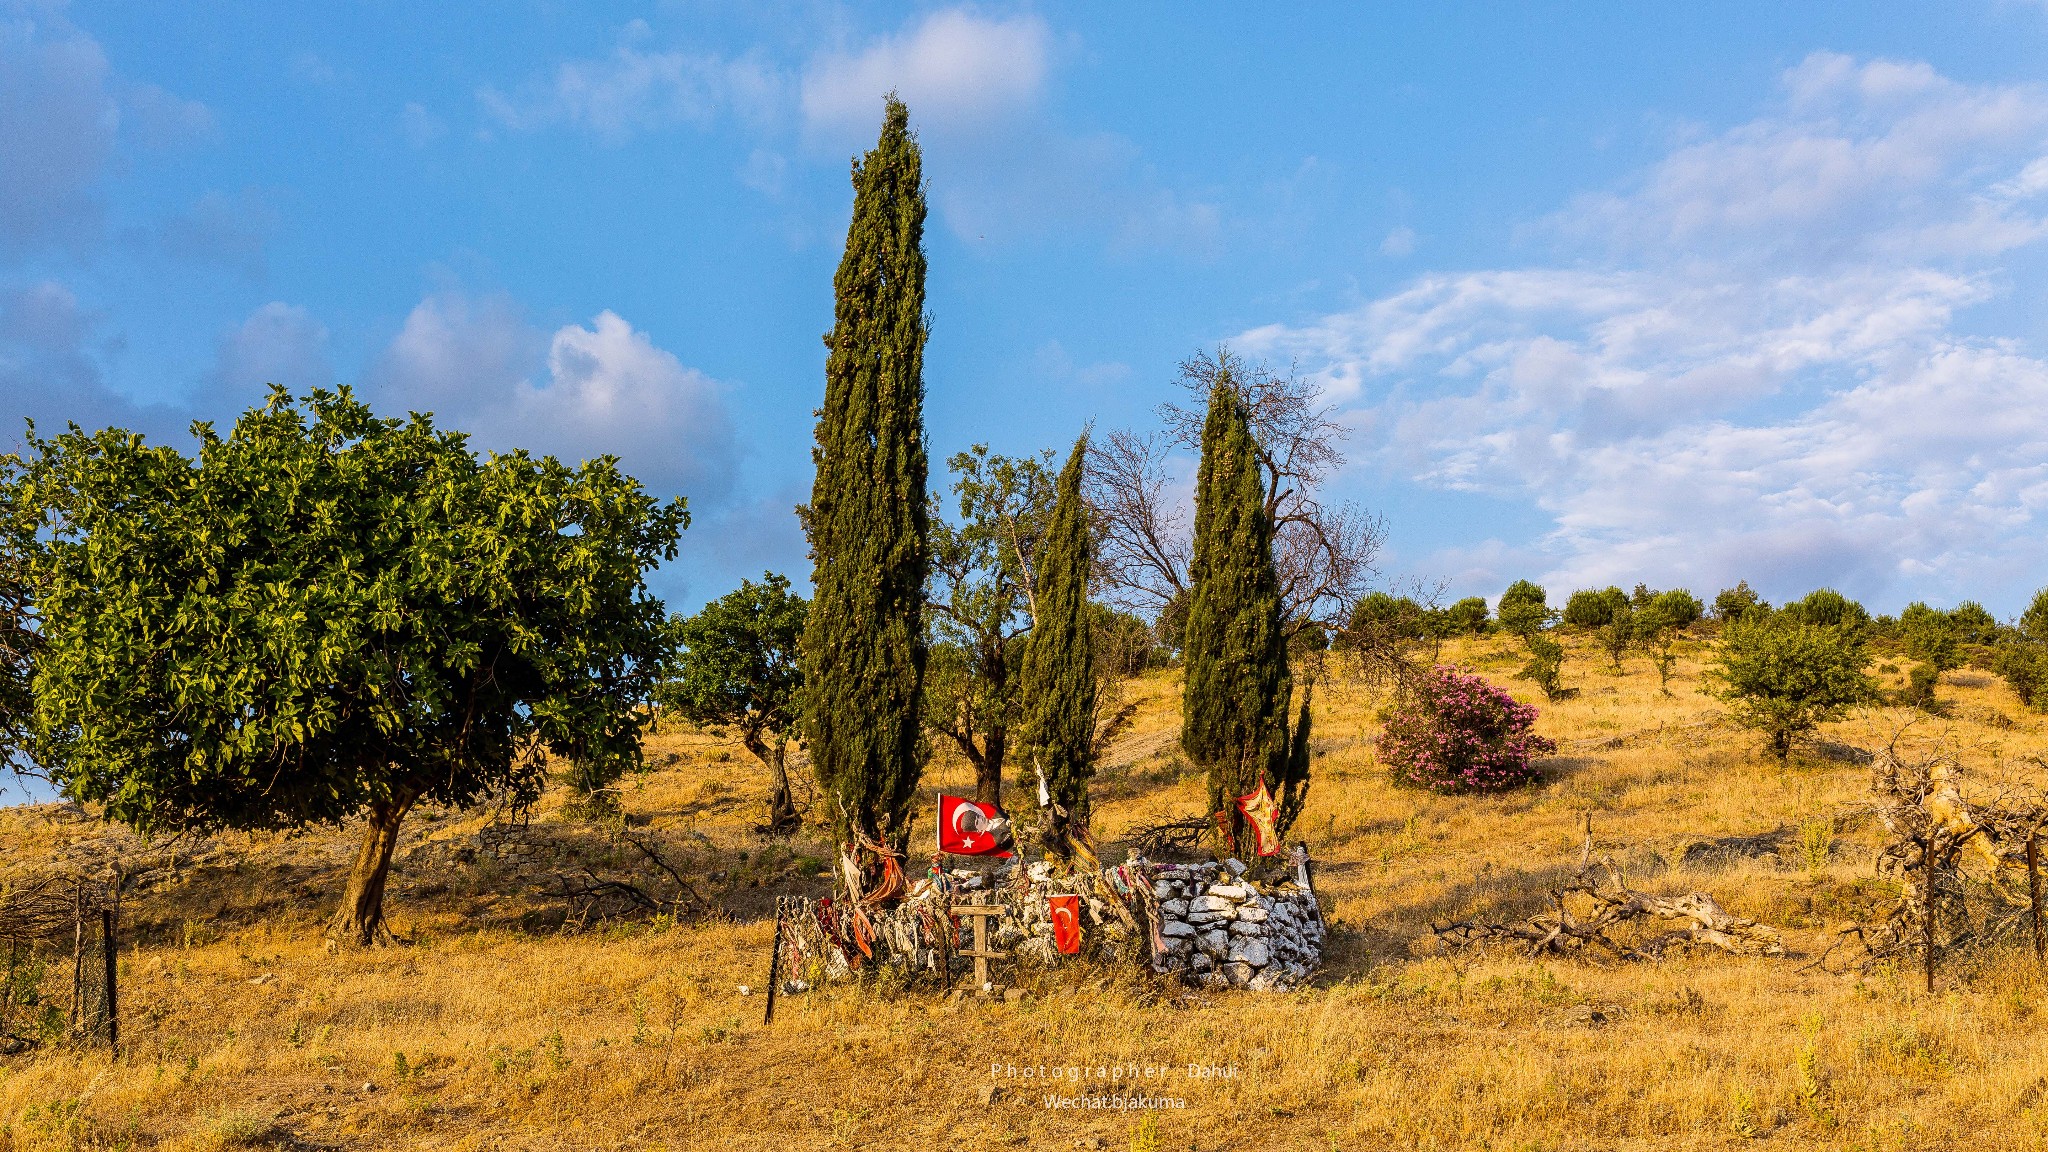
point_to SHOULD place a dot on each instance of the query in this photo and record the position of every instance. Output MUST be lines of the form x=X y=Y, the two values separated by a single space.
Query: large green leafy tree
x=864 y=643
x=737 y=667
x=19 y=636
x=980 y=605
x=1783 y=676
x=1059 y=676
x=326 y=616
x=1236 y=686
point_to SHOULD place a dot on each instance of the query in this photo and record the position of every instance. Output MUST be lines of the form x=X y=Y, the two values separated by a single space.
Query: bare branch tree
x=1325 y=554
x=1145 y=543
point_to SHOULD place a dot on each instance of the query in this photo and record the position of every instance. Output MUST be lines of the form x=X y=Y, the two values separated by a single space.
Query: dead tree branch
x=1586 y=910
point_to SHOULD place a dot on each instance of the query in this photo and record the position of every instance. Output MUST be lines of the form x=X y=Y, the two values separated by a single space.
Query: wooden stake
x=774 y=966
x=1927 y=878
x=113 y=1002
x=2034 y=889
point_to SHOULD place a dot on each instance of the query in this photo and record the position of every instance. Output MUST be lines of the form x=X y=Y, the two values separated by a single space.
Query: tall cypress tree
x=863 y=645
x=1235 y=694
x=1057 y=687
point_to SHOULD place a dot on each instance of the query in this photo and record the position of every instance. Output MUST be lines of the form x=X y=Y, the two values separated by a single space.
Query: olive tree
x=981 y=604
x=1783 y=676
x=325 y=615
x=20 y=636
x=738 y=666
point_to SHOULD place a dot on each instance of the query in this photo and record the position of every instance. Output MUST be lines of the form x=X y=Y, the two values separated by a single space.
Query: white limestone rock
x=1253 y=952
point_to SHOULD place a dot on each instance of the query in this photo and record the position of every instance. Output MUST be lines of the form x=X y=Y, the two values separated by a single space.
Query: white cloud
x=1863 y=160
x=161 y=119
x=57 y=126
x=59 y=122
x=52 y=357
x=1752 y=363
x=635 y=90
x=1399 y=242
x=954 y=68
x=278 y=344
x=578 y=393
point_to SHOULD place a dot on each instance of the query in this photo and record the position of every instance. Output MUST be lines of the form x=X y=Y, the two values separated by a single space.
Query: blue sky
x=1606 y=293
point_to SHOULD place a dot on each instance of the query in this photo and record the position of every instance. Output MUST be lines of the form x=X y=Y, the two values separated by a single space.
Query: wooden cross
x=981 y=915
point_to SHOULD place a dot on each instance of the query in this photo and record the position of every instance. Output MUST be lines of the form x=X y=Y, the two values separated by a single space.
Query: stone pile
x=1224 y=930
x=1218 y=928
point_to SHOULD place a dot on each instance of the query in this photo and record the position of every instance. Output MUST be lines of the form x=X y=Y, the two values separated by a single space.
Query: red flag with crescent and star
x=1066 y=922
x=1260 y=815
x=968 y=828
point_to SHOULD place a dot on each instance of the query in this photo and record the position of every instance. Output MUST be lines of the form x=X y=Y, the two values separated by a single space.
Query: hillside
x=495 y=1024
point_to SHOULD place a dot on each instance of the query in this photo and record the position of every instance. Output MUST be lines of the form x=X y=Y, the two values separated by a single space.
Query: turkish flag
x=967 y=828
x=1066 y=922
x=1261 y=815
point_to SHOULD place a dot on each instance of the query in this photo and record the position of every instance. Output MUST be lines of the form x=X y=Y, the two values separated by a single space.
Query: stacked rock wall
x=1204 y=922
x=1221 y=929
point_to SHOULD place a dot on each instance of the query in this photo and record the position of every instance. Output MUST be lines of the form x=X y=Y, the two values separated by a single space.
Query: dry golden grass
x=490 y=1028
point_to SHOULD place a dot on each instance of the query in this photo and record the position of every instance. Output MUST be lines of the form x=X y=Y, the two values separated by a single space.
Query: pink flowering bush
x=1455 y=732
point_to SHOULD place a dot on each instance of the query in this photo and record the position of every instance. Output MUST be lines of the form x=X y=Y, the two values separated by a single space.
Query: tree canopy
x=981 y=604
x=1783 y=676
x=737 y=666
x=325 y=615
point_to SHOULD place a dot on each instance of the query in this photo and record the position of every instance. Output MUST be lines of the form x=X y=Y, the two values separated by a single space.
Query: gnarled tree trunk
x=359 y=922
x=988 y=769
x=782 y=814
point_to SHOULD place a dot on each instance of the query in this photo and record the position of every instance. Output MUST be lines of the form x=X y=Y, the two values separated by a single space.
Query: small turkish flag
x=1261 y=815
x=1066 y=922
x=967 y=828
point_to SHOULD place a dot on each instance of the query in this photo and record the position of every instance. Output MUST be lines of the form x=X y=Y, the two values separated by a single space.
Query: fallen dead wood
x=1587 y=910
x=1168 y=838
x=590 y=896
x=1961 y=863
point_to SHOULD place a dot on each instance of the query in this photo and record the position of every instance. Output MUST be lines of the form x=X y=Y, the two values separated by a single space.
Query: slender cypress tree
x=1057 y=688
x=863 y=645
x=1235 y=695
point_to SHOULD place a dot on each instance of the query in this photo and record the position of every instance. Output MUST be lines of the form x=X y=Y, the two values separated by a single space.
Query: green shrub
x=1522 y=610
x=1737 y=602
x=1930 y=636
x=1394 y=617
x=1657 y=628
x=1972 y=623
x=1618 y=633
x=1782 y=676
x=1920 y=682
x=1545 y=667
x=1465 y=618
x=2034 y=621
x=1677 y=608
x=1827 y=608
x=1591 y=608
x=2024 y=665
